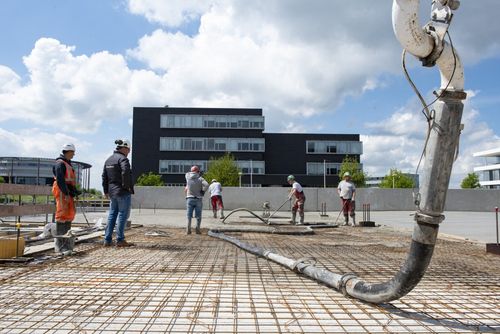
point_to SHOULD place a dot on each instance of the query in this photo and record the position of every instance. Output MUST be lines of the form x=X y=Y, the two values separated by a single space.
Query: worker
x=118 y=187
x=215 y=190
x=347 y=192
x=195 y=189
x=299 y=198
x=64 y=191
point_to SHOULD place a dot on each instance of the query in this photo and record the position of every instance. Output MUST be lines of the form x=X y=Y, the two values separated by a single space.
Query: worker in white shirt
x=215 y=190
x=347 y=192
x=297 y=193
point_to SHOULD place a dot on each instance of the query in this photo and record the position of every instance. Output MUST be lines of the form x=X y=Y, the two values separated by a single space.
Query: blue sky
x=73 y=70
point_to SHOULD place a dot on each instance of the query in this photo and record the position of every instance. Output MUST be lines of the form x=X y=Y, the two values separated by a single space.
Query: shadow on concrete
x=459 y=324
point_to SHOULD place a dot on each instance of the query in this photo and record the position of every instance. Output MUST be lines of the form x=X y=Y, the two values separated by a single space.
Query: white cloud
x=398 y=142
x=36 y=143
x=74 y=93
x=267 y=55
x=169 y=13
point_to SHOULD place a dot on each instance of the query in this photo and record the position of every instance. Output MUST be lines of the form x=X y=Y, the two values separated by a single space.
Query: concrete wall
x=379 y=199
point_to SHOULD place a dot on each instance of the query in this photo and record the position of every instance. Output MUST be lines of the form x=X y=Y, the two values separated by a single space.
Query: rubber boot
x=301 y=218
x=294 y=216
x=221 y=213
x=353 y=221
x=215 y=213
x=198 y=225
x=188 y=230
x=346 y=220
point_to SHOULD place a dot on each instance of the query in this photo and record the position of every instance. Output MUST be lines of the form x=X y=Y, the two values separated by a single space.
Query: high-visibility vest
x=69 y=177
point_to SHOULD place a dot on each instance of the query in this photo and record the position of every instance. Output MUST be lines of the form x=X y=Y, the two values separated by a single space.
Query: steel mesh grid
x=198 y=284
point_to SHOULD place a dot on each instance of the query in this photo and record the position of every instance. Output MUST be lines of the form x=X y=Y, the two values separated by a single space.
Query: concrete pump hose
x=246 y=210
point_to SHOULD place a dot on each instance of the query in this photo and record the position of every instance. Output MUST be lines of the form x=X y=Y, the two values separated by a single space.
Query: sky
x=71 y=71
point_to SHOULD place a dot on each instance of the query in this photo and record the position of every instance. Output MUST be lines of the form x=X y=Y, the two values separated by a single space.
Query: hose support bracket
x=428 y=219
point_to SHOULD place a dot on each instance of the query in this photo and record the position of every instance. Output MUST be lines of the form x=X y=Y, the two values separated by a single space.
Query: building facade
x=38 y=171
x=489 y=173
x=169 y=141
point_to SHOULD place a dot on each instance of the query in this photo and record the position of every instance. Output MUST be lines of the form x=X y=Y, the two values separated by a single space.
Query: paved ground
x=474 y=226
x=171 y=282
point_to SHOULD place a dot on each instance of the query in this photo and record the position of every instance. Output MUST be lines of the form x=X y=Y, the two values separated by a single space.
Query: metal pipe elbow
x=414 y=39
x=406 y=25
x=451 y=69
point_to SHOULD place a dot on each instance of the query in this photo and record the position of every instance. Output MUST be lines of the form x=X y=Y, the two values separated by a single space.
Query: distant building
x=38 y=171
x=170 y=140
x=489 y=173
x=374 y=181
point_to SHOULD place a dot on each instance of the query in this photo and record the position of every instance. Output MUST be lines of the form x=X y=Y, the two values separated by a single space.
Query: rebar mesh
x=196 y=284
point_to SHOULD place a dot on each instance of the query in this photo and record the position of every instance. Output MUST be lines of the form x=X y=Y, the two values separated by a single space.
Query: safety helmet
x=195 y=169
x=214 y=180
x=290 y=177
x=68 y=147
x=346 y=174
x=123 y=143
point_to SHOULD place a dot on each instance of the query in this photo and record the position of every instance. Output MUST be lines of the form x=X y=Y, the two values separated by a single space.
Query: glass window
x=310 y=147
x=212 y=144
x=220 y=146
x=208 y=121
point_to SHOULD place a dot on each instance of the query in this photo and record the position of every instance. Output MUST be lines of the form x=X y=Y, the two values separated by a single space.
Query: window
x=251 y=166
x=220 y=147
x=319 y=168
x=334 y=147
x=212 y=122
x=212 y=144
x=310 y=147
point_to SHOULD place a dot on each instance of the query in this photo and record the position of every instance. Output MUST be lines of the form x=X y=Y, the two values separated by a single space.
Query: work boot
x=221 y=213
x=124 y=243
x=346 y=220
x=198 y=225
x=301 y=219
x=294 y=216
x=188 y=230
x=107 y=244
x=215 y=214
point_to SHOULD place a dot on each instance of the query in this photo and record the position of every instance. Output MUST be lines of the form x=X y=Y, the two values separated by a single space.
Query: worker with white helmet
x=64 y=191
x=195 y=189
x=215 y=190
x=118 y=187
x=347 y=192
x=299 y=199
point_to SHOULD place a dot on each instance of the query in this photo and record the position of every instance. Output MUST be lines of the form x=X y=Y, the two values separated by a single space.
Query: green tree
x=351 y=165
x=95 y=192
x=224 y=170
x=150 y=179
x=2 y=179
x=470 y=181
x=397 y=179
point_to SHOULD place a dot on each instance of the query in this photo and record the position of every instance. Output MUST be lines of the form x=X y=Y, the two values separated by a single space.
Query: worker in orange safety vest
x=64 y=191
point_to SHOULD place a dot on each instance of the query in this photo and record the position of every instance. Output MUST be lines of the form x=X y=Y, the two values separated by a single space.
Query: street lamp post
x=324 y=173
x=251 y=173
x=239 y=174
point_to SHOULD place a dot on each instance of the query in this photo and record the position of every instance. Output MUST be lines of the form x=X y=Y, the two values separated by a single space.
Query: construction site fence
x=379 y=199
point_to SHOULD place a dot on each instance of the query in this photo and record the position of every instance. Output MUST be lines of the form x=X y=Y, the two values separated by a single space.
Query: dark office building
x=169 y=141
